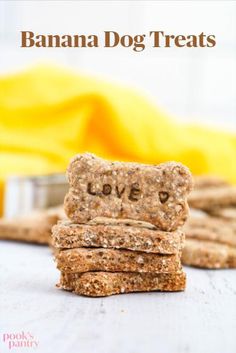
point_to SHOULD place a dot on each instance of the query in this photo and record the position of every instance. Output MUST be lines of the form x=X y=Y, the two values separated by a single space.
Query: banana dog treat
x=208 y=254
x=101 y=284
x=212 y=229
x=210 y=242
x=213 y=198
x=151 y=193
x=34 y=228
x=228 y=213
x=90 y=259
x=68 y=235
x=208 y=181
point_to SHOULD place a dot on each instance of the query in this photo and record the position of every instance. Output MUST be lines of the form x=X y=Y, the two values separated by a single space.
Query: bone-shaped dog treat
x=151 y=193
x=208 y=254
x=101 y=284
x=67 y=235
x=115 y=260
x=213 y=198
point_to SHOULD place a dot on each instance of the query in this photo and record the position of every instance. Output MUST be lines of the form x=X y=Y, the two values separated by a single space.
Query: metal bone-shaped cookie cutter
x=24 y=194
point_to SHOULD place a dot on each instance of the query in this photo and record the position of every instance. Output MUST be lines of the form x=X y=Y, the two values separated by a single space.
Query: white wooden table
x=202 y=319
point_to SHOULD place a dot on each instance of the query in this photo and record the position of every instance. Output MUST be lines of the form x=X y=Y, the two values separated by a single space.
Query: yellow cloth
x=49 y=114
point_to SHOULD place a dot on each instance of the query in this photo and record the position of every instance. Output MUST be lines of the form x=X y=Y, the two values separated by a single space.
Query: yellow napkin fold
x=48 y=114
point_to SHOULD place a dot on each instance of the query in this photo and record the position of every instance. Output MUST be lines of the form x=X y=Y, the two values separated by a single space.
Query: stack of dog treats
x=211 y=227
x=124 y=229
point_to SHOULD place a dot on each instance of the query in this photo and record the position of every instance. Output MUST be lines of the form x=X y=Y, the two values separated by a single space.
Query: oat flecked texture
x=208 y=254
x=212 y=229
x=100 y=259
x=70 y=235
x=151 y=193
x=210 y=242
x=99 y=284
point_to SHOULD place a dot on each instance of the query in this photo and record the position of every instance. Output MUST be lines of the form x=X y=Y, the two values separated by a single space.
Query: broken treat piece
x=33 y=228
x=91 y=259
x=151 y=193
x=101 y=284
x=68 y=235
x=208 y=254
x=212 y=198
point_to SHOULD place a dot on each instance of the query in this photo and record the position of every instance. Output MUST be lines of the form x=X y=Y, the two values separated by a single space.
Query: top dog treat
x=153 y=193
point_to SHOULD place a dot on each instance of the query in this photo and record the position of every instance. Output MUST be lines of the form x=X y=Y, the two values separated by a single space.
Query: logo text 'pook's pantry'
x=15 y=340
x=112 y=39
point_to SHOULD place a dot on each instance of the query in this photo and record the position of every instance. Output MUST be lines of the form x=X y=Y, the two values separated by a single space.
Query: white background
x=197 y=84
